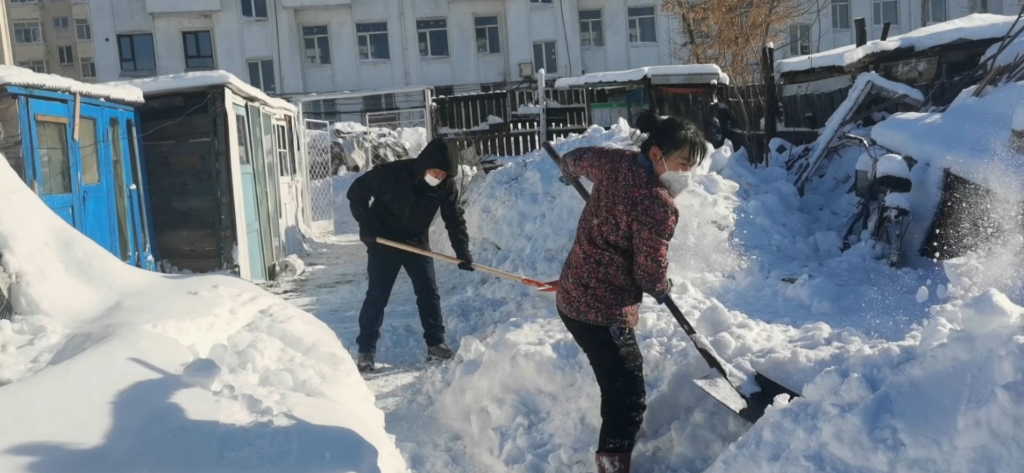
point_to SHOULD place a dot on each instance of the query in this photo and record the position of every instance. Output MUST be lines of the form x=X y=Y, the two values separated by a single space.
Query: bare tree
x=731 y=33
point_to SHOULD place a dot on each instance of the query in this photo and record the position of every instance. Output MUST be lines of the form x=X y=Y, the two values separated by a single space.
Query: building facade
x=313 y=46
x=52 y=36
x=832 y=25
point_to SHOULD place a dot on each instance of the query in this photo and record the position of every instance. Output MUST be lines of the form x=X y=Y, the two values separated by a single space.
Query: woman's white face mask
x=675 y=181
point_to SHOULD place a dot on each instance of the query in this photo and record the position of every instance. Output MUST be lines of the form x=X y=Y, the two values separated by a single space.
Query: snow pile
x=203 y=79
x=21 y=77
x=972 y=138
x=760 y=273
x=684 y=74
x=892 y=165
x=109 y=368
x=972 y=27
x=344 y=223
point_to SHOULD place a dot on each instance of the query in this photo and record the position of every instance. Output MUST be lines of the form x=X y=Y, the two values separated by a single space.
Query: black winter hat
x=436 y=156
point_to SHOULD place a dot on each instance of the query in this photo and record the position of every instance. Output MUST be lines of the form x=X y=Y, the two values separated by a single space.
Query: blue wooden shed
x=76 y=146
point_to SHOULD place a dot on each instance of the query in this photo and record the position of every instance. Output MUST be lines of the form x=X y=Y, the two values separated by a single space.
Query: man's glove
x=467 y=263
x=367 y=233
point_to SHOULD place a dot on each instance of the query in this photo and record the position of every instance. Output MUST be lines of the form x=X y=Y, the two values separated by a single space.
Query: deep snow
x=112 y=369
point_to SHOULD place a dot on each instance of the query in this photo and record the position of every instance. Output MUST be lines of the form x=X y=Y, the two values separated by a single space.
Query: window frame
x=427 y=30
x=634 y=19
x=26 y=26
x=66 y=24
x=83 y=61
x=799 y=38
x=544 y=56
x=33 y=64
x=254 y=11
x=65 y=55
x=878 y=12
x=491 y=33
x=318 y=46
x=368 y=37
x=837 y=6
x=197 y=35
x=79 y=23
x=261 y=65
x=131 y=37
x=590 y=28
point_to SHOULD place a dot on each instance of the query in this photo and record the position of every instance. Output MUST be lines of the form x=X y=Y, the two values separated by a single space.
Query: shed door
x=254 y=240
x=96 y=180
x=56 y=180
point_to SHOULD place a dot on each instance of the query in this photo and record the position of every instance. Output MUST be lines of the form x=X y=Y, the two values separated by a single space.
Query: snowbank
x=109 y=368
x=971 y=138
x=202 y=79
x=972 y=27
x=686 y=73
x=21 y=77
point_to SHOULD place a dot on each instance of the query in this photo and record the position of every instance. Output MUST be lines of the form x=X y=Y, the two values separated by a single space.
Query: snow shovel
x=541 y=286
x=716 y=384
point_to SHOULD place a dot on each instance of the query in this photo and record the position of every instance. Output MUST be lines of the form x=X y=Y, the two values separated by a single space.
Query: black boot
x=365 y=363
x=440 y=352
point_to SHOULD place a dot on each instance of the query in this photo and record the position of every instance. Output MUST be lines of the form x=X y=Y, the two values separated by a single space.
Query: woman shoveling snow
x=621 y=252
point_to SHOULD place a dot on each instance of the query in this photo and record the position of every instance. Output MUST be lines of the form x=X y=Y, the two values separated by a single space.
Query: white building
x=832 y=25
x=305 y=46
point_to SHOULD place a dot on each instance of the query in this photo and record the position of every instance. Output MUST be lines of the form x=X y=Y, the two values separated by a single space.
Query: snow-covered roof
x=971 y=138
x=665 y=75
x=198 y=80
x=21 y=77
x=969 y=28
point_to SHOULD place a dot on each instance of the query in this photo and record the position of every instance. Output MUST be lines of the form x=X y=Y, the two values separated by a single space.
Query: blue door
x=117 y=137
x=56 y=174
x=257 y=264
x=94 y=160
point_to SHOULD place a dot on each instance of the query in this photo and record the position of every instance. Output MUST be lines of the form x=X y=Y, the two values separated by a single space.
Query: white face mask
x=676 y=182
x=431 y=180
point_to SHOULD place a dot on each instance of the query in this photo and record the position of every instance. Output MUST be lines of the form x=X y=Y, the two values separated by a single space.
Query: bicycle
x=883 y=206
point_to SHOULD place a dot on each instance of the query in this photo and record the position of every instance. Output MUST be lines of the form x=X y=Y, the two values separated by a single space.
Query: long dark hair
x=671 y=134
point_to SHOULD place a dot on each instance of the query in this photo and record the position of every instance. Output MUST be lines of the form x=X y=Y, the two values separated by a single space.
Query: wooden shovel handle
x=496 y=272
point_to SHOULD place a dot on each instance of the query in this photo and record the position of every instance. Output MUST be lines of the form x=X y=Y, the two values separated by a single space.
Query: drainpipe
x=405 y=43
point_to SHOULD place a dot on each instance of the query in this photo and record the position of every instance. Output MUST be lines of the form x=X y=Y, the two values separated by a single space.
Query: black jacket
x=404 y=204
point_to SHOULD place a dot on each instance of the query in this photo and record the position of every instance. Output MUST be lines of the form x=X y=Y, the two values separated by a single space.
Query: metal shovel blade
x=750 y=408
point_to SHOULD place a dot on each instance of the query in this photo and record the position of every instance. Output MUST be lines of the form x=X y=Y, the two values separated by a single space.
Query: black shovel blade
x=750 y=408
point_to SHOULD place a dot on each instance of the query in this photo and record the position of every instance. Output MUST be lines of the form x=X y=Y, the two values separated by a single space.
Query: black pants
x=619 y=368
x=383 y=264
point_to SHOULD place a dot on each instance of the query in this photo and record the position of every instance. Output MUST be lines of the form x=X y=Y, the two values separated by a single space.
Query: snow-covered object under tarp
x=203 y=79
x=892 y=165
x=866 y=83
x=21 y=77
x=711 y=72
x=971 y=139
x=107 y=368
x=977 y=26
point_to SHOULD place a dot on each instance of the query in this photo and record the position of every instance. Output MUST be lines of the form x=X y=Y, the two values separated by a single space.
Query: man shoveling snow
x=621 y=252
x=406 y=196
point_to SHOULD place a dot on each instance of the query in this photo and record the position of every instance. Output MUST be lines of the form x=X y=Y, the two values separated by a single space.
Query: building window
x=261 y=75
x=83 y=29
x=317 y=44
x=27 y=32
x=487 y=41
x=979 y=6
x=60 y=22
x=799 y=40
x=544 y=57
x=88 y=68
x=379 y=103
x=886 y=11
x=937 y=11
x=198 y=49
x=24 y=1
x=373 y=41
x=590 y=29
x=254 y=8
x=544 y=2
x=67 y=56
x=136 y=52
x=840 y=14
x=642 y=25
x=433 y=35
x=284 y=155
x=35 y=66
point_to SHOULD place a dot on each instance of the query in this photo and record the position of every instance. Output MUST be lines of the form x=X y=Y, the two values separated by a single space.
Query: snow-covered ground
x=108 y=368
x=914 y=369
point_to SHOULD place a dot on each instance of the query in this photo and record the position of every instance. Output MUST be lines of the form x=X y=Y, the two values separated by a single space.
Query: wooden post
x=78 y=114
x=770 y=100
x=542 y=102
